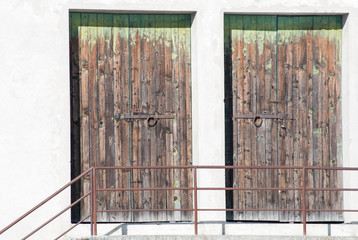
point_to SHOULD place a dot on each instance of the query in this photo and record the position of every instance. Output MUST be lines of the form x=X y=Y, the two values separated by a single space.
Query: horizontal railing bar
x=331 y=189
x=44 y=201
x=81 y=221
x=330 y=210
x=191 y=210
x=220 y=209
x=257 y=188
x=246 y=210
x=141 y=189
x=187 y=188
x=270 y=210
x=226 y=167
x=147 y=210
x=224 y=188
x=57 y=215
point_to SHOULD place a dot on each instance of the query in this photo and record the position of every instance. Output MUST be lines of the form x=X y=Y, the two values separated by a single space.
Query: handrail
x=56 y=216
x=45 y=201
x=93 y=191
x=195 y=188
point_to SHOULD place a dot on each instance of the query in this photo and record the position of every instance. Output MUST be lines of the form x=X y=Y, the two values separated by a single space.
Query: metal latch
x=257 y=118
x=151 y=119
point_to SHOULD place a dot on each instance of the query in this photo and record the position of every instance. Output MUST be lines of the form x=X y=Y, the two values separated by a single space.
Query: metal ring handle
x=258 y=121
x=151 y=121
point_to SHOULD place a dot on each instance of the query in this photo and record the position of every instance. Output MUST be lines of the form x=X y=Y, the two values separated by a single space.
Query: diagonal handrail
x=45 y=201
x=56 y=216
x=81 y=221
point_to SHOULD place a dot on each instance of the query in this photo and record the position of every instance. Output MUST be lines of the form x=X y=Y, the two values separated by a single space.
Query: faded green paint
x=176 y=183
x=175 y=152
x=317 y=131
x=259 y=29
x=174 y=55
x=268 y=65
x=315 y=69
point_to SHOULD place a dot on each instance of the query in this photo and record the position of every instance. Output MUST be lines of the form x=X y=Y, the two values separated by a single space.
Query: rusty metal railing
x=195 y=189
x=93 y=194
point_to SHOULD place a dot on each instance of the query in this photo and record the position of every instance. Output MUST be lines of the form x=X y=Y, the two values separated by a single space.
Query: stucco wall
x=35 y=107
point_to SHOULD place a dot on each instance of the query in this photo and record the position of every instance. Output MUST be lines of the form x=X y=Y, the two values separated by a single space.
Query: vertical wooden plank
x=169 y=158
x=152 y=102
x=181 y=115
x=188 y=114
x=317 y=109
x=261 y=106
x=146 y=81
x=122 y=105
x=284 y=80
x=305 y=25
x=252 y=95
x=338 y=100
x=109 y=145
x=247 y=109
x=281 y=52
x=270 y=56
x=134 y=103
x=289 y=154
x=84 y=107
x=159 y=108
x=183 y=86
x=296 y=174
x=334 y=115
x=93 y=88
x=309 y=114
x=239 y=105
x=331 y=78
x=103 y=197
x=75 y=21
x=326 y=200
x=176 y=122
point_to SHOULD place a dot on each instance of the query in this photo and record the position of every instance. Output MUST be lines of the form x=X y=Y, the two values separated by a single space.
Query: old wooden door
x=125 y=71
x=286 y=70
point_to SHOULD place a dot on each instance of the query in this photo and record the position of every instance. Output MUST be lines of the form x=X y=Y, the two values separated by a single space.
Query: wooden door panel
x=130 y=65
x=253 y=68
x=286 y=66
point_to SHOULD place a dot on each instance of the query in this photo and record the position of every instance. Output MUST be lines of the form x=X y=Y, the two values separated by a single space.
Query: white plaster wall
x=35 y=109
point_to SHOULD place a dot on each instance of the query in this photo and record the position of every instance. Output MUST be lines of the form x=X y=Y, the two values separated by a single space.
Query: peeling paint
x=268 y=65
x=317 y=131
x=176 y=183
x=175 y=152
x=315 y=70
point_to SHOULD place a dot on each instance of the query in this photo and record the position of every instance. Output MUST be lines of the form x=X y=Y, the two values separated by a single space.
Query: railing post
x=93 y=203
x=195 y=201
x=304 y=200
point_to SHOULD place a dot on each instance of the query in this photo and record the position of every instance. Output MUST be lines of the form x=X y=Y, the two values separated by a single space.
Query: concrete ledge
x=223 y=229
x=204 y=237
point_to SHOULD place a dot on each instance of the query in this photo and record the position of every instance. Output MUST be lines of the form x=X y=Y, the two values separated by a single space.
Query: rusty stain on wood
x=125 y=66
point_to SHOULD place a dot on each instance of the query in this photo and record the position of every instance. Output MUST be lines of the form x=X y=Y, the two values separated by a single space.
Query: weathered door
x=286 y=71
x=131 y=106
